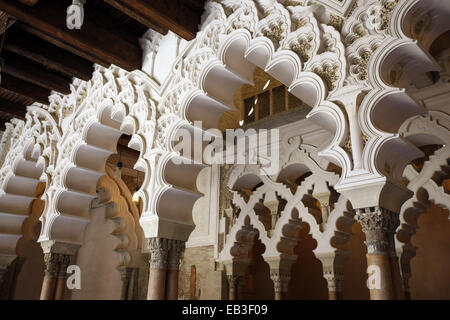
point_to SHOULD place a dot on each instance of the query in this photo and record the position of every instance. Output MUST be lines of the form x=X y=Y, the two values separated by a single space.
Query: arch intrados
x=292 y=172
x=399 y=105
x=247 y=181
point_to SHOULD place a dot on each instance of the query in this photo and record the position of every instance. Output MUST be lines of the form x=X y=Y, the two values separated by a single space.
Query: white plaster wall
x=98 y=262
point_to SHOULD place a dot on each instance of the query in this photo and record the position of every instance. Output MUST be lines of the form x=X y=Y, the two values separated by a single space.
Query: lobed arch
x=294 y=216
x=399 y=57
x=225 y=57
x=31 y=144
x=90 y=135
x=414 y=19
x=233 y=40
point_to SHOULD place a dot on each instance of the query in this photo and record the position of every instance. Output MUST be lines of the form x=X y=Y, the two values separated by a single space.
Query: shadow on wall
x=429 y=268
x=355 y=271
x=100 y=279
x=307 y=281
x=257 y=285
x=27 y=271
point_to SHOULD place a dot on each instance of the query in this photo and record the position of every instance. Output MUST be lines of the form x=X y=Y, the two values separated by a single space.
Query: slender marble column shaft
x=63 y=264
x=49 y=281
x=280 y=284
x=176 y=249
x=379 y=225
x=159 y=249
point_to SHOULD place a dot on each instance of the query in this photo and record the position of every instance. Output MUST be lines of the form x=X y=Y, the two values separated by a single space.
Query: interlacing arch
x=276 y=209
x=427 y=184
x=295 y=44
x=341 y=76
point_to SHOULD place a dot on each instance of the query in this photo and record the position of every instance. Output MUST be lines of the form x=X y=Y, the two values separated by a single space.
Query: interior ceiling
x=41 y=54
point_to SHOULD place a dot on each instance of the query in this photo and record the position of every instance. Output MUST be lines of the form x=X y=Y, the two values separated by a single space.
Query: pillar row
x=165 y=257
x=233 y=282
x=57 y=257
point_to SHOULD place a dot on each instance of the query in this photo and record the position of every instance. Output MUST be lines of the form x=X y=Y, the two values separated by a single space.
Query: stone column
x=377 y=224
x=126 y=275
x=280 y=273
x=51 y=271
x=334 y=285
x=394 y=261
x=63 y=264
x=235 y=271
x=57 y=256
x=159 y=250
x=272 y=204
x=322 y=194
x=333 y=271
x=176 y=249
x=233 y=285
x=280 y=283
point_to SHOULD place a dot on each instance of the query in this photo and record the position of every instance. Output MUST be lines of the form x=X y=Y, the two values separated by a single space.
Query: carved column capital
x=56 y=264
x=51 y=261
x=280 y=280
x=57 y=256
x=176 y=249
x=63 y=264
x=379 y=226
x=159 y=250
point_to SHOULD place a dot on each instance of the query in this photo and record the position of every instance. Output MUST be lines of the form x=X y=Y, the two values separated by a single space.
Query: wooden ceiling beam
x=16 y=110
x=25 y=89
x=40 y=51
x=162 y=15
x=47 y=20
x=31 y=72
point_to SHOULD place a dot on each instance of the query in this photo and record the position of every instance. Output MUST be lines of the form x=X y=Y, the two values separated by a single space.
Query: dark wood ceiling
x=41 y=54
